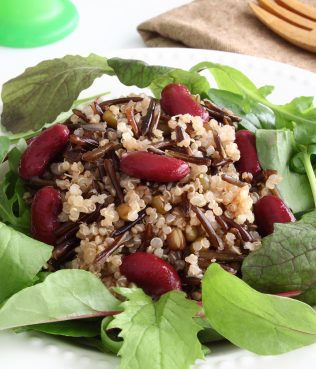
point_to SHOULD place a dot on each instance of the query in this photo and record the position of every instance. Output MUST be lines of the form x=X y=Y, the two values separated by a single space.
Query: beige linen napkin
x=227 y=25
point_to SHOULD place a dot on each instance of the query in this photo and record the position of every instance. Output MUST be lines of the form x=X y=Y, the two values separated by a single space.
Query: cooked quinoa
x=107 y=214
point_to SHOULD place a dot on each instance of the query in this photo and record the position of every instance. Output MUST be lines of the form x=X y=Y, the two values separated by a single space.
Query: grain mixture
x=206 y=217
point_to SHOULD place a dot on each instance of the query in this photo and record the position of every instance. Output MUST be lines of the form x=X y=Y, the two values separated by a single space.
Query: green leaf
x=298 y=115
x=193 y=81
x=254 y=115
x=108 y=343
x=157 y=335
x=207 y=334
x=13 y=209
x=141 y=74
x=266 y=90
x=69 y=328
x=64 y=295
x=4 y=147
x=136 y=72
x=264 y=324
x=287 y=258
x=275 y=149
x=42 y=92
x=21 y=258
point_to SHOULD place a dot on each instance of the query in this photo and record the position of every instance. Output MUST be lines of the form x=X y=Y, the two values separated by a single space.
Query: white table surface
x=104 y=25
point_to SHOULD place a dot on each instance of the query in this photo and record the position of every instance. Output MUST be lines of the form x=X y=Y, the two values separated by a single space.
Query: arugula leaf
x=21 y=258
x=287 y=258
x=157 y=335
x=141 y=74
x=299 y=114
x=13 y=209
x=64 y=295
x=69 y=328
x=264 y=324
x=39 y=94
x=275 y=149
x=4 y=147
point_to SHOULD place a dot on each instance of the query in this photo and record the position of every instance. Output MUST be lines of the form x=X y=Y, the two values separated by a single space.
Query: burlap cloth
x=227 y=25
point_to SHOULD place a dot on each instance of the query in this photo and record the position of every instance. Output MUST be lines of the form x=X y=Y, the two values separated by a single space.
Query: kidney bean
x=269 y=210
x=177 y=99
x=151 y=273
x=153 y=167
x=46 y=207
x=248 y=162
x=42 y=150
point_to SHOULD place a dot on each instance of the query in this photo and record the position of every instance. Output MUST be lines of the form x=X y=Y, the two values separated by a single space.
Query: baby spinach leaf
x=253 y=115
x=4 y=147
x=42 y=92
x=69 y=328
x=21 y=258
x=287 y=258
x=157 y=335
x=264 y=324
x=64 y=295
x=275 y=149
x=141 y=74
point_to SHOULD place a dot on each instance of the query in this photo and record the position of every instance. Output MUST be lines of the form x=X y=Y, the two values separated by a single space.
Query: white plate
x=36 y=351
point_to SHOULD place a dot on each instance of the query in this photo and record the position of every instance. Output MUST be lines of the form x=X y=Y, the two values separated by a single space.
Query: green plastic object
x=32 y=23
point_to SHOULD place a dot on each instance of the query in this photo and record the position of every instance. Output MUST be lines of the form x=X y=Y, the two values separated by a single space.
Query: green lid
x=33 y=23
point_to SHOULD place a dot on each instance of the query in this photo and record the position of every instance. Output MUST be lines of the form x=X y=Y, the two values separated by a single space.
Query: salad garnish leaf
x=42 y=92
x=69 y=328
x=165 y=329
x=21 y=258
x=275 y=149
x=264 y=324
x=13 y=208
x=253 y=115
x=299 y=110
x=4 y=147
x=141 y=74
x=107 y=342
x=287 y=258
x=64 y=295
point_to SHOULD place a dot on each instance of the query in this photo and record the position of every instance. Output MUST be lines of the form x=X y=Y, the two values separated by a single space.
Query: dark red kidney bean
x=46 y=207
x=153 y=167
x=151 y=273
x=269 y=210
x=177 y=99
x=42 y=150
x=248 y=162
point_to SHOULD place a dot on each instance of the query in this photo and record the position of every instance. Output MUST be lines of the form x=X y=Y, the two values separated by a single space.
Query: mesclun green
x=275 y=149
x=264 y=324
x=42 y=92
x=13 y=209
x=157 y=335
x=286 y=260
x=64 y=295
x=21 y=258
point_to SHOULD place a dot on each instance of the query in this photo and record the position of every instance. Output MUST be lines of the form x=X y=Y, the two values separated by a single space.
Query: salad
x=151 y=225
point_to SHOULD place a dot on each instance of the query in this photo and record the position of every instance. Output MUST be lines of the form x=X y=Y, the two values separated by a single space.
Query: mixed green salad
x=172 y=332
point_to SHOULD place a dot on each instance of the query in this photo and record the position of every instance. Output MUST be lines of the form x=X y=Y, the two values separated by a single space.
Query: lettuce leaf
x=157 y=335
